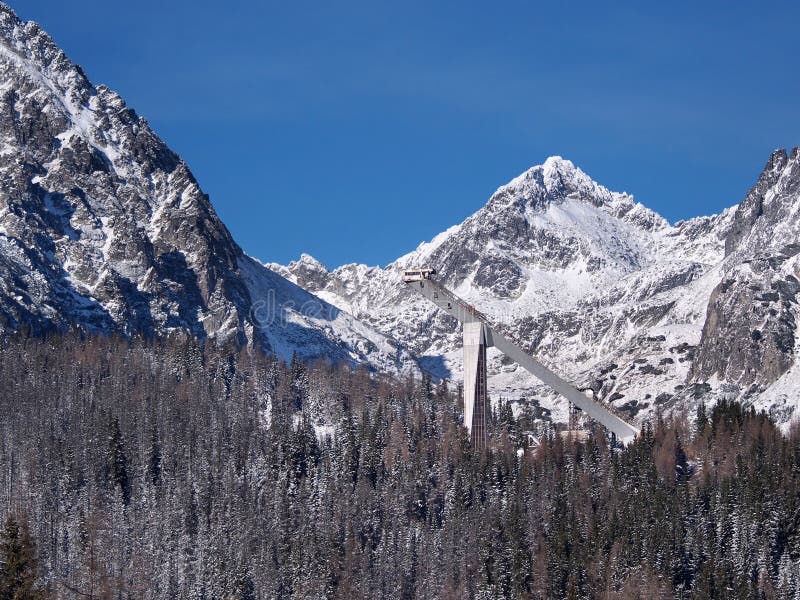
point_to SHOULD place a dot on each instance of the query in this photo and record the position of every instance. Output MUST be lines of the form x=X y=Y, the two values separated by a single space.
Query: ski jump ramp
x=480 y=335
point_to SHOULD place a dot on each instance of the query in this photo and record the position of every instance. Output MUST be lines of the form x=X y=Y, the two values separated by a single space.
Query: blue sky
x=354 y=131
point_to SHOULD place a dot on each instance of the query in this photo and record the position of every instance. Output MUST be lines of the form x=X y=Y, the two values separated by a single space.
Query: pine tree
x=17 y=562
x=702 y=419
x=118 y=461
x=244 y=587
x=154 y=457
x=298 y=378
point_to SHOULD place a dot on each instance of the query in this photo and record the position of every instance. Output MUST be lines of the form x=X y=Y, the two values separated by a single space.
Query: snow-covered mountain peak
x=558 y=181
x=551 y=181
x=311 y=262
x=104 y=228
x=649 y=315
x=549 y=236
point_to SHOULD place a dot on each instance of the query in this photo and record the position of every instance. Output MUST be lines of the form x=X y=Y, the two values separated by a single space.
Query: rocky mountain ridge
x=104 y=228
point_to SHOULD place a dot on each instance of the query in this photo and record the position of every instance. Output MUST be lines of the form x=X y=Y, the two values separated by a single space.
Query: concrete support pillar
x=476 y=400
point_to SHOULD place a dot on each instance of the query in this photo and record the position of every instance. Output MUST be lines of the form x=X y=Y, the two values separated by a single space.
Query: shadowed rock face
x=752 y=207
x=750 y=331
x=104 y=225
x=104 y=228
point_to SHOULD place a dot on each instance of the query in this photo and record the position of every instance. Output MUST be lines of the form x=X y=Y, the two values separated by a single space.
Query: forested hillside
x=167 y=470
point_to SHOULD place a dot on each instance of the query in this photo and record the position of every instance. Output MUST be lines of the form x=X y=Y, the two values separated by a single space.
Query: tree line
x=167 y=469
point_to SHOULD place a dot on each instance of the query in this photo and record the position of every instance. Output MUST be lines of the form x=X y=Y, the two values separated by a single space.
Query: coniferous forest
x=165 y=469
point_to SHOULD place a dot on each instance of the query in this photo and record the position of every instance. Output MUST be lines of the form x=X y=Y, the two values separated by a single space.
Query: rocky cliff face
x=103 y=227
x=646 y=313
x=750 y=334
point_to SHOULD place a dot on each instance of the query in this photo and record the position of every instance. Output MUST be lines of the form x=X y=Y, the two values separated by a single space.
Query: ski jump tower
x=480 y=335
